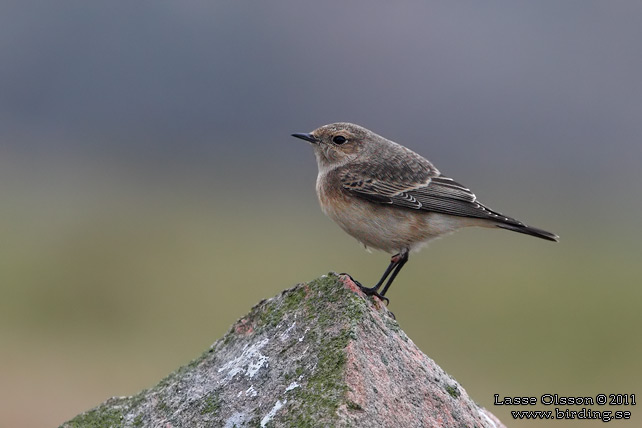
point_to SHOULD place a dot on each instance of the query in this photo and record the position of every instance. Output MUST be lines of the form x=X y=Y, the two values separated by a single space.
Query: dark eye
x=339 y=139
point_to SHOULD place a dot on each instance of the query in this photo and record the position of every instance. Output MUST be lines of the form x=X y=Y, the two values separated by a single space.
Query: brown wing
x=424 y=189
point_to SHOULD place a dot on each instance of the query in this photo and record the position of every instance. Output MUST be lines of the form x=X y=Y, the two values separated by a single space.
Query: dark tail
x=528 y=230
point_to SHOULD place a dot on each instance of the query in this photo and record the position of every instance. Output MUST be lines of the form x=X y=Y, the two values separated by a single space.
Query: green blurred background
x=151 y=193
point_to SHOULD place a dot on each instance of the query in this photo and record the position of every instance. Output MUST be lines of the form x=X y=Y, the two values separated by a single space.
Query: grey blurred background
x=151 y=193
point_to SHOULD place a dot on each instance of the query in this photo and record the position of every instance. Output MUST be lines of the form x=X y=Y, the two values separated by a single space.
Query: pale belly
x=386 y=227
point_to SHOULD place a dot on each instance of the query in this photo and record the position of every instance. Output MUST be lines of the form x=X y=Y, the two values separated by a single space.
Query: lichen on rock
x=318 y=354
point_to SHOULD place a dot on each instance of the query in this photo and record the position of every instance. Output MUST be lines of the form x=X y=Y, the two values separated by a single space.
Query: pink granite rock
x=319 y=354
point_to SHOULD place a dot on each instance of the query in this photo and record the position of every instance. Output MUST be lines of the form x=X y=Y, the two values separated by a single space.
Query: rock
x=318 y=354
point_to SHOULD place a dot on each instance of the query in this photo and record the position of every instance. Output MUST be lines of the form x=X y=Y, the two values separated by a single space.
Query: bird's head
x=338 y=143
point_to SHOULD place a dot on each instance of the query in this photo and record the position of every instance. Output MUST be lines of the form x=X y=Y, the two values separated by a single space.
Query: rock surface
x=318 y=354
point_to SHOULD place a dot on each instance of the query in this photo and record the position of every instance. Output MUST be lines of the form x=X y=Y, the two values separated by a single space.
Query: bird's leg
x=402 y=258
x=372 y=291
x=396 y=263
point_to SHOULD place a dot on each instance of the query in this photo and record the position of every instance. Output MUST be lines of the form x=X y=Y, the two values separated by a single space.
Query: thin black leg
x=402 y=261
x=374 y=290
x=396 y=263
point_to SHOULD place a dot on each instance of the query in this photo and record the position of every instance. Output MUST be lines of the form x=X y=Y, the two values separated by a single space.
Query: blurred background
x=151 y=194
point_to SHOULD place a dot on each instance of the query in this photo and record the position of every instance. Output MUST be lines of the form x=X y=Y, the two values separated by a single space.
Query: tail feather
x=529 y=230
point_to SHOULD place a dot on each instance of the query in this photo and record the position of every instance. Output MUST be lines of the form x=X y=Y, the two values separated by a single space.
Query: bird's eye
x=339 y=139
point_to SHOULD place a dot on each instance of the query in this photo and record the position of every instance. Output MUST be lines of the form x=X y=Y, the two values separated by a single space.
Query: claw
x=373 y=292
x=369 y=291
x=384 y=299
x=357 y=283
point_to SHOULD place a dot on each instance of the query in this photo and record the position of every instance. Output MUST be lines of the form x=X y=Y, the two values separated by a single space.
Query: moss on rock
x=318 y=354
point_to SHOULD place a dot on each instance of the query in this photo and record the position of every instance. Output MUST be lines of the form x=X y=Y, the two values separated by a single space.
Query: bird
x=392 y=199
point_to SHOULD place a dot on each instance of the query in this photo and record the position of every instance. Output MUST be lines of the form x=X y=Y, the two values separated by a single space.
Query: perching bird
x=392 y=199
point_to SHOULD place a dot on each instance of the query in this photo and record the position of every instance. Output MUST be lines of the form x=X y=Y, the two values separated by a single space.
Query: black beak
x=307 y=137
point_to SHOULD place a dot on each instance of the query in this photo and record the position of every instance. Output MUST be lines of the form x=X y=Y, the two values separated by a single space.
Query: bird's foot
x=357 y=283
x=373 y=292
x=368 y=291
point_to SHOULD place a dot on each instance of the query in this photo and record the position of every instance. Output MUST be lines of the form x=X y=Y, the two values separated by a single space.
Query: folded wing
x=426 y=191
